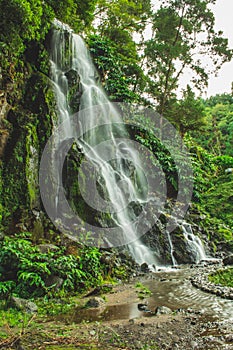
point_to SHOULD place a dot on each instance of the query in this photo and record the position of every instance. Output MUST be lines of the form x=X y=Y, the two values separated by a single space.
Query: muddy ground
x=182 y=329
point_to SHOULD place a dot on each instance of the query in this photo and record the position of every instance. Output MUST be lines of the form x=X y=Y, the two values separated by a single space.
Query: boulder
x=23 y=305
x=54 y=281
x=163 y=310
x=228 y=260
x=95 y=303
x=45 y=248
x=142 y=307
x=144 y=267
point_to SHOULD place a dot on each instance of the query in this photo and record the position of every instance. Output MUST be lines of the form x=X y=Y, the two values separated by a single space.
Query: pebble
x=193 y=344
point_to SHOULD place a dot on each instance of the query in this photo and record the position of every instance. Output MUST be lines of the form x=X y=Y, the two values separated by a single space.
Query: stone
x=229 y=170
x=23 y=305
x=229 y=338
x=193 y=344
x=228 y=260
x=45 y=248
x=163 y=310
x=142 y=307
x=54 y=281
x=95 y=303
x=144 y=268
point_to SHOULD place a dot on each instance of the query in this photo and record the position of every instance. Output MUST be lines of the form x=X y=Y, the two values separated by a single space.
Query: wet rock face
x=74 y=89
x=157 y=239
x=182 y=252
x=144 y=268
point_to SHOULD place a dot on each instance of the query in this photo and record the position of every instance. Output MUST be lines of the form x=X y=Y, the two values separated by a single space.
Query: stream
x=172 y=289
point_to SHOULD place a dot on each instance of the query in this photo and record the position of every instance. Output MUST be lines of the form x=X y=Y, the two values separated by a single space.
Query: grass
x=223 y=277
x=142 y=291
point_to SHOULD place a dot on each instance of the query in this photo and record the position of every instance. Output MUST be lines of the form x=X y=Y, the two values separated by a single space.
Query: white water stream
x=69 y=53
x=122 y=178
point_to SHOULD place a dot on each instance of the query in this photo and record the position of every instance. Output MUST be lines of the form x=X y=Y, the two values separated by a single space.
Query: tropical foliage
x=133 y=67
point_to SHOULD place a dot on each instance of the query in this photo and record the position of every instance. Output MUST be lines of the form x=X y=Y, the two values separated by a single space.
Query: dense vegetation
x=134 y=69
x=223 y=277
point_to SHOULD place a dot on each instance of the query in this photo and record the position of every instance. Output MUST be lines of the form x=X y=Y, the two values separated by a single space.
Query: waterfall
x=123 y=182
x=124 y=188
x=194 y=242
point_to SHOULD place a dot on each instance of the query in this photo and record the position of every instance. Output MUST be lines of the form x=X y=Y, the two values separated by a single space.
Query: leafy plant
x=25 y=271
x=142 y=290
x=223 y=277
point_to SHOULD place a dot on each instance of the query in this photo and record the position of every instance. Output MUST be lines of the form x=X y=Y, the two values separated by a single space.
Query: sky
x=223 y=11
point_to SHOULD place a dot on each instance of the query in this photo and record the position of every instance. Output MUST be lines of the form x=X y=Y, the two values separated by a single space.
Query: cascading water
x=120 y=178
x=69 y=54
x=194 y=242
x=172 y=250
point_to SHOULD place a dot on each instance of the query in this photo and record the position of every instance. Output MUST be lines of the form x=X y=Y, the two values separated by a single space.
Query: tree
x=128 y=15
x=219 y=128
x=224 y=99
x=77 y=13
x=183 y=33
x=117 y=74
x=187 y=114
x=114 y=49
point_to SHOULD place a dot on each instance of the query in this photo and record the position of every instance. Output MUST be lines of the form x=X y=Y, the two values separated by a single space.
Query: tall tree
x=183 y=34
x=188 y=113
x=114 y=49
x=122 y=15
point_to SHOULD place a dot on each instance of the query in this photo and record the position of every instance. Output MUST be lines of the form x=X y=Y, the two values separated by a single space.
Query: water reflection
x=172 y=289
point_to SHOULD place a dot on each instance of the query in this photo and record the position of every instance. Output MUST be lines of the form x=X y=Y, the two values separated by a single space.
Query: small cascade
x=142 y=254
x=123 y=183
x=172 y=250
x=194 y=242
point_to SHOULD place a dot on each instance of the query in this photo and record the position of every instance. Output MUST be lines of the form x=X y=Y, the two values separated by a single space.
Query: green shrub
x=223 y=277
x=24 y=270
